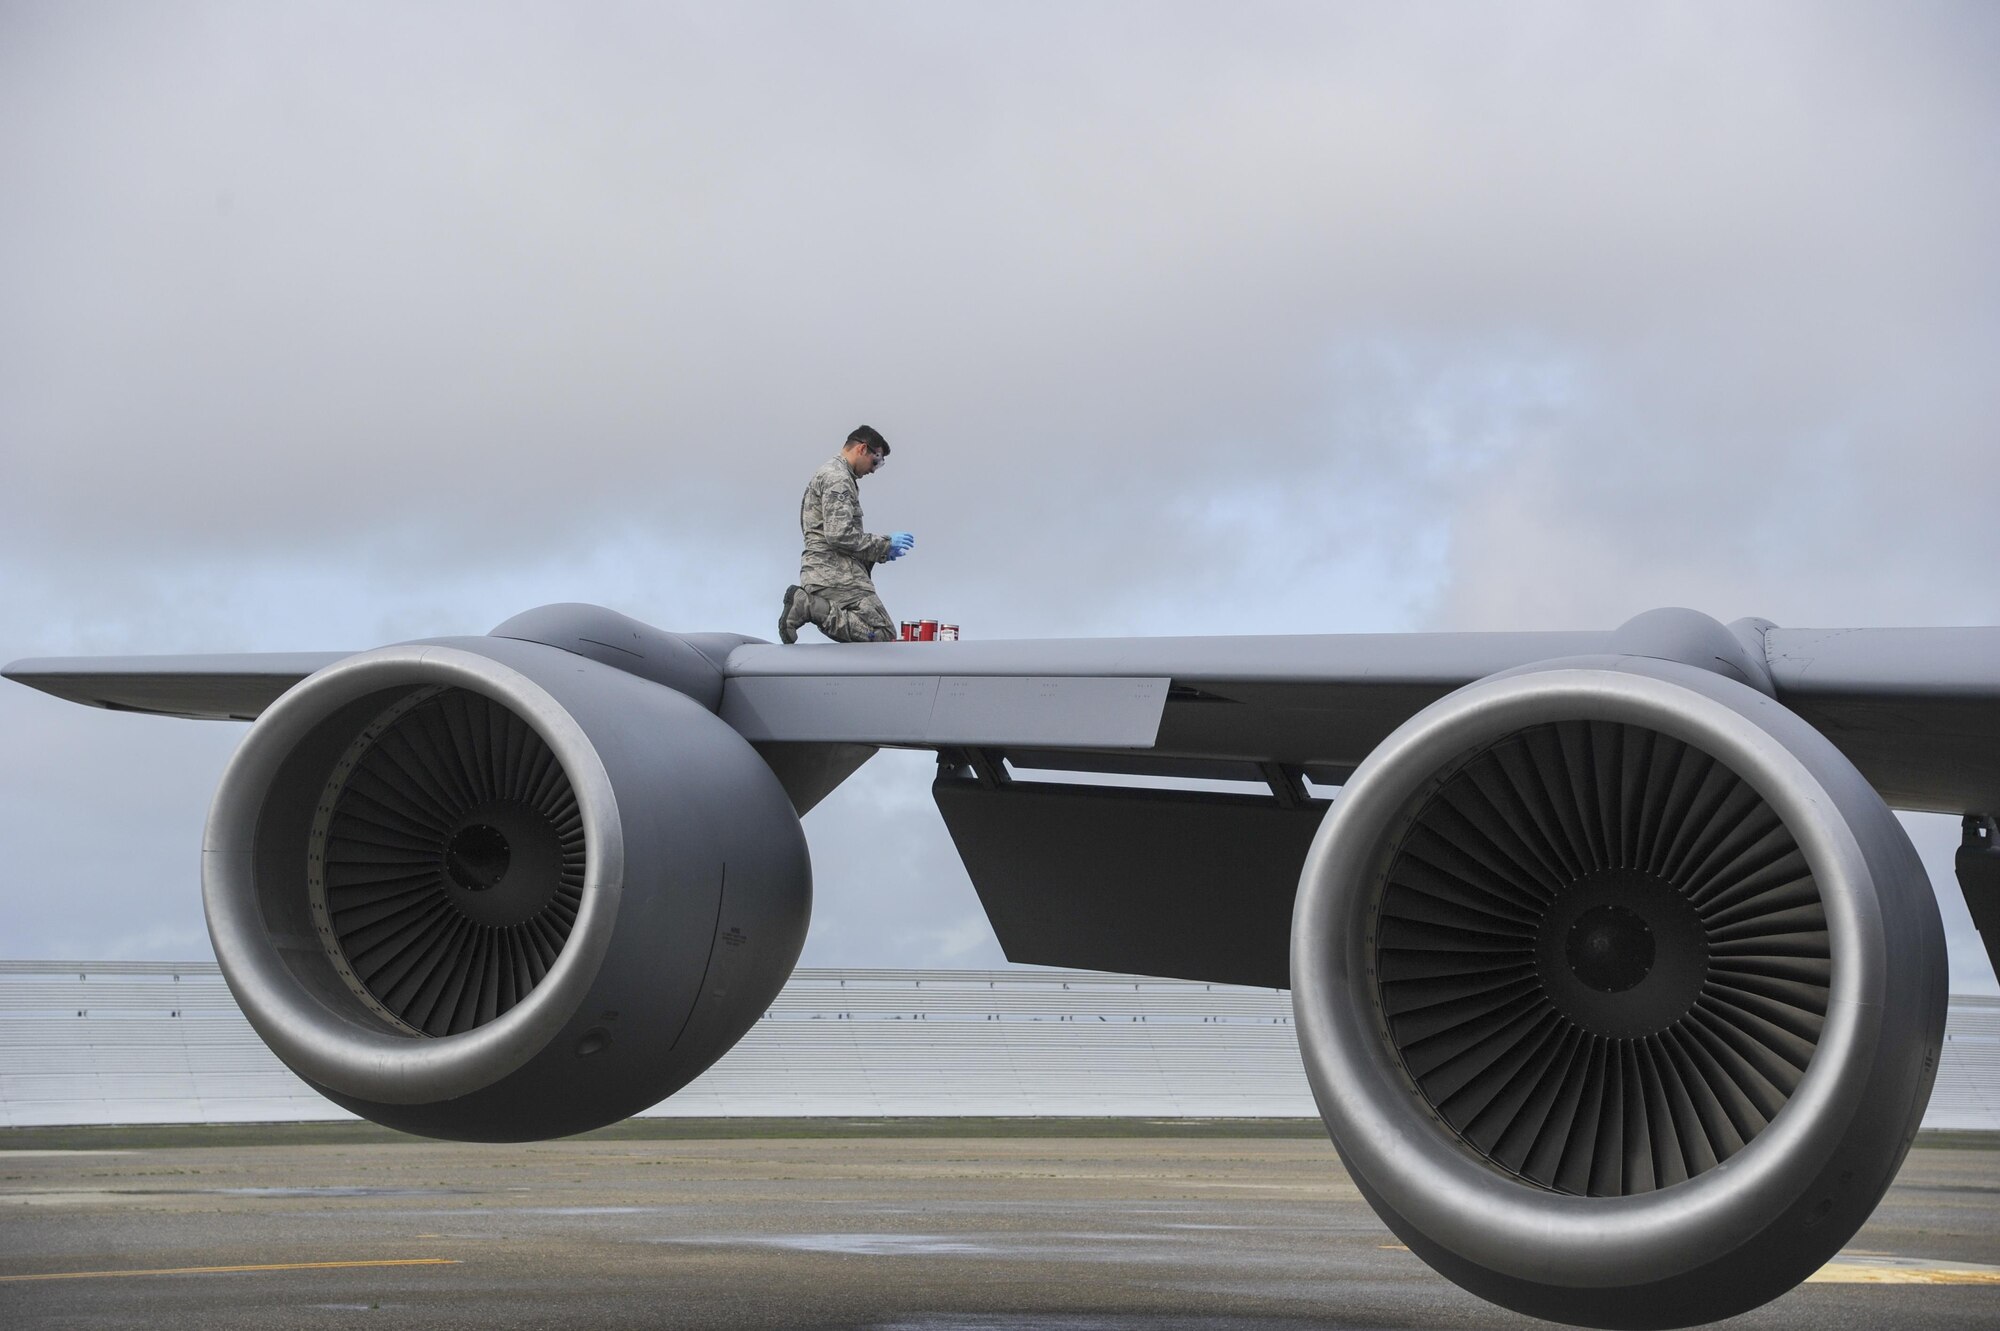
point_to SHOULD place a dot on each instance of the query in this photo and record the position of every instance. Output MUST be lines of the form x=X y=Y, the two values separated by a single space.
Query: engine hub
x=1610 y=949
x=1623 y=954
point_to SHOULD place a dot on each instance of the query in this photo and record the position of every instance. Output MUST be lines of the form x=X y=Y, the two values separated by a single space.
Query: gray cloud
x=329 y=326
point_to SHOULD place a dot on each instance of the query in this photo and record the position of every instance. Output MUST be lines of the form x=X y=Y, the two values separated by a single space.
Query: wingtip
x=23 y=670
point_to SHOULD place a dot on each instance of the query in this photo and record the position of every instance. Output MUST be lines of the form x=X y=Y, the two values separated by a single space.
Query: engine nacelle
x=486 y=889
x=1620 y=990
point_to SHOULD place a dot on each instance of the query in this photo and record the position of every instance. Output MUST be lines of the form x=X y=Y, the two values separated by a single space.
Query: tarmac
x=876 y=1226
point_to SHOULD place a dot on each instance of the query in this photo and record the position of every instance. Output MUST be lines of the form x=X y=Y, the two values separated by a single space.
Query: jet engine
x=1620 y=990
x=491 y=890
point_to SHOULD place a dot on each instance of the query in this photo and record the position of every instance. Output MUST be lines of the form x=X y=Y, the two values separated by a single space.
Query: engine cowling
x=486 y=889
x=1620 y=990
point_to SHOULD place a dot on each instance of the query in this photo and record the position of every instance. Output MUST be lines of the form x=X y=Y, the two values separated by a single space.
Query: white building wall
x=154 y=1042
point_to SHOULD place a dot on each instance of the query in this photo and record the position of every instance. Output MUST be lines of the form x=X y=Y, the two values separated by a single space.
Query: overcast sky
x=328 y=326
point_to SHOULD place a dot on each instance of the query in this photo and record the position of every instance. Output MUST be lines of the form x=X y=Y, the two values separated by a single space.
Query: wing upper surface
x=1248 y=661
x=1885 y=663
x=1227 y=708
x=1917 y=709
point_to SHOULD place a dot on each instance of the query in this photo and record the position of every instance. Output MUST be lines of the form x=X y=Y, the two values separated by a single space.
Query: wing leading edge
x=1918 y=710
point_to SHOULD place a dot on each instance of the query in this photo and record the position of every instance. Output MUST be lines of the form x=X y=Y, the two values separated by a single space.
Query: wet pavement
x=931 y=1234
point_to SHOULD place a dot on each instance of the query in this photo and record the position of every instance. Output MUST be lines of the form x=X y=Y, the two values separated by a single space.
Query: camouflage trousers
x=851 y=614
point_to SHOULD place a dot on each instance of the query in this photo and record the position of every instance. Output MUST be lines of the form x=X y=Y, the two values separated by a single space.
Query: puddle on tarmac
x=872 y=1245
x=1088 y=1246
x=1188 y=1224
x=285 y=1192
x=1083 y=1322
x=588 y=1210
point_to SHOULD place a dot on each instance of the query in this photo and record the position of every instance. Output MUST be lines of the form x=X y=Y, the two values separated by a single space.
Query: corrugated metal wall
x=154 y=1042
x=1967 y=1094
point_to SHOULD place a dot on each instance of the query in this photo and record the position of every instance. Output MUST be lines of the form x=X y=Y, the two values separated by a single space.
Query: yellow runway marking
x=1903 y=1271
x=226 y=1270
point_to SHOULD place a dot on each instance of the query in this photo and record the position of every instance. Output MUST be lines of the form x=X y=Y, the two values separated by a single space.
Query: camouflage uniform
x=835 y=566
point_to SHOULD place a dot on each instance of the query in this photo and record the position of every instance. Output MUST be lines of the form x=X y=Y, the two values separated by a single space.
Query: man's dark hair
x=870 y=438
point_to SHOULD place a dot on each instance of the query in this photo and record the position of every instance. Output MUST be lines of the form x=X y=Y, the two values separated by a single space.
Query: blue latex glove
x=900 y=543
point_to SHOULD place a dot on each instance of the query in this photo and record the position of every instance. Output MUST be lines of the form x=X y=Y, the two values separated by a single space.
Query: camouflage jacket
x=839 y=551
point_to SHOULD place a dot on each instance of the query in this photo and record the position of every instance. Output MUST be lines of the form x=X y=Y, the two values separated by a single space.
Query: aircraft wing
x=227 y=687
x=1918 y=710
x=1072 y=874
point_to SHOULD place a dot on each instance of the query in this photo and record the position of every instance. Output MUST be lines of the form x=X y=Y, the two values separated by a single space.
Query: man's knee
x=875 y=615
x=823 y=613
x=873 y=628
x=845 y=620
x=843 y=625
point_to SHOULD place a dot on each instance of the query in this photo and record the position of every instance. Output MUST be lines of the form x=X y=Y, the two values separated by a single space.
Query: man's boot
x=797 y=611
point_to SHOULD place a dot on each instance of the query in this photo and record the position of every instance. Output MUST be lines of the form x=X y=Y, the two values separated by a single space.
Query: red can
x=927 y=630
x=947 y=633
x=909 y=631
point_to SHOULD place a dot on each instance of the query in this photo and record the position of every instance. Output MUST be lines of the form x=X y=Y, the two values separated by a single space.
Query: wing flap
x=1145 y=882
x=926 y=711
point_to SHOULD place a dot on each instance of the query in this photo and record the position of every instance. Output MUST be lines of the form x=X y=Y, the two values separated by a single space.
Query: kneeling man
x=836 y=590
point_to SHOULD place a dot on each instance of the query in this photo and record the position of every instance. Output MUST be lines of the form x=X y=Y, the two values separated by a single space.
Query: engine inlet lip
x=1364 y=1092
x=347 y=1051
